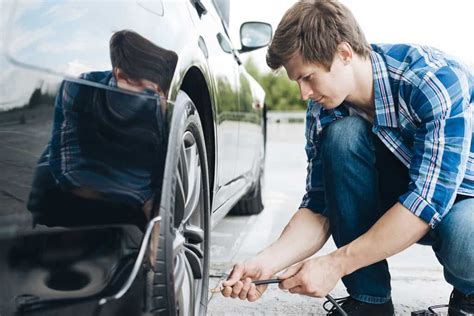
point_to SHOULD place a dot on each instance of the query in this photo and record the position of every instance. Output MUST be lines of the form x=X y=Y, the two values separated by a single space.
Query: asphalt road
x=417 y=277
x=21 y=145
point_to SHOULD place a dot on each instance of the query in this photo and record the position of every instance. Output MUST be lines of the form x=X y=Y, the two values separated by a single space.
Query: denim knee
x=454 y=245
x=346 y=137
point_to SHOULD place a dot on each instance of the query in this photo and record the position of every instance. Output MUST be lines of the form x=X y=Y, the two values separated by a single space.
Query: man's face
x=328 y=88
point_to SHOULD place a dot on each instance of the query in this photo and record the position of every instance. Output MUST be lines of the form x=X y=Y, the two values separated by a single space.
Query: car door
x=224 y=69
x=250 y=127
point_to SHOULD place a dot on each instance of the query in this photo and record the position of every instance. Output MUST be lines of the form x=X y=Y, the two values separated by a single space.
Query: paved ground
x=417 y=277
x=21 y=145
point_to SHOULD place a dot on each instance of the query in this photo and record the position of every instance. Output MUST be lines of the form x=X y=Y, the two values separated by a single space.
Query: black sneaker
x=460 y=304
x=357 y=308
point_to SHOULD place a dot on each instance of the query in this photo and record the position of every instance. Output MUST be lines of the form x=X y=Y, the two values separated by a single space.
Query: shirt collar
x=385 y=111
x=112 y=81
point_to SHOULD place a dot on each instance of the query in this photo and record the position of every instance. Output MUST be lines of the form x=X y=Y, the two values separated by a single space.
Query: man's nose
x=305 y=91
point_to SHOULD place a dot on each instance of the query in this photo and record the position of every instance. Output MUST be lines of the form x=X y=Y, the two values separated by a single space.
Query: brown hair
x=314 y=28
x=140 y=59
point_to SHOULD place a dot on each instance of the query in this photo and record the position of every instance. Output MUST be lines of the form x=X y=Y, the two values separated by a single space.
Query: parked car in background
x=89 y=250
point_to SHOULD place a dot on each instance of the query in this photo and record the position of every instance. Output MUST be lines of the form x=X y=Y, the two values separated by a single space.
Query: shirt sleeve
x=317 y=118
x=64 y=140
x=313 y=199
x=441 y=103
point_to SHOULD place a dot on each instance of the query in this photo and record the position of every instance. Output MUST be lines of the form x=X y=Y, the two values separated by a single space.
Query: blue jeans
x=363 y=179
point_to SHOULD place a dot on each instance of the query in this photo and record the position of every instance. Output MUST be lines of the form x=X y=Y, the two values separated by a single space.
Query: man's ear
x=345 y=52
x=119 y=75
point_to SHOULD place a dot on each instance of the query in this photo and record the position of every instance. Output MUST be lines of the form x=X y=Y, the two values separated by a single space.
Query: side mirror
x=254 y=35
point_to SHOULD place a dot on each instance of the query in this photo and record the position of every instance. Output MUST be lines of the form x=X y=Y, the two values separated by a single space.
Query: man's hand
x=313 y=277
x=305 y=225
x=239 y=284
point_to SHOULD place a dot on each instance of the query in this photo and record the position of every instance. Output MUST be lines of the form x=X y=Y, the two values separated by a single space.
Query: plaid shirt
x=424 y=103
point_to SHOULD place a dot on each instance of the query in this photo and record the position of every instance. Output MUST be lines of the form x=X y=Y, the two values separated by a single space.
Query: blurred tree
x=281 y=93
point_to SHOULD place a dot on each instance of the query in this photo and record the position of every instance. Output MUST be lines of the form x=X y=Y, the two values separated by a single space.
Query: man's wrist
x=343 y=262
x=265 y=262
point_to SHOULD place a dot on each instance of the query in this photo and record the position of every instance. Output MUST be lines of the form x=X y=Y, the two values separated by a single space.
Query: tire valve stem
x=217 y=289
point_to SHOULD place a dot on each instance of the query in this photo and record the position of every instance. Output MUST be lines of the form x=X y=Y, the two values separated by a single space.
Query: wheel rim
x=189 y=230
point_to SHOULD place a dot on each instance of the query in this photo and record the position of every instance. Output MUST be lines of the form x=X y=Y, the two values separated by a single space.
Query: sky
x=446 y=25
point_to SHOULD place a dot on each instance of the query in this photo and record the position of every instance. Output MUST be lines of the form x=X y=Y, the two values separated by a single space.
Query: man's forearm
x=396 y=230
x=304 y=234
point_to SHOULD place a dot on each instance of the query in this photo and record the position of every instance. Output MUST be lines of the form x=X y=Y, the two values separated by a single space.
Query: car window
x=223 y=9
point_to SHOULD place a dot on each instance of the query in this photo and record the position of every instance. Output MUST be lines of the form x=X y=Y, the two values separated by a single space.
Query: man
x=390 y=163
x=102 y=160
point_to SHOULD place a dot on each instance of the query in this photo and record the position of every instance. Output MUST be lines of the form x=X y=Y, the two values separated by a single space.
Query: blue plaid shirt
x=424 y=103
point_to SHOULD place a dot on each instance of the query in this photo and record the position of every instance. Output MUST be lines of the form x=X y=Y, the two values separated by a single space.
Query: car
x=187 y=153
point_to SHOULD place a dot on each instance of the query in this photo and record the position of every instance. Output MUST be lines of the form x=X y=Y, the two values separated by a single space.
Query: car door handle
x=199 y=6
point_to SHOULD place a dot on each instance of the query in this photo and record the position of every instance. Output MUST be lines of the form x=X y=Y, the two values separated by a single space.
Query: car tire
x=252 y=202
x=178 y=279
